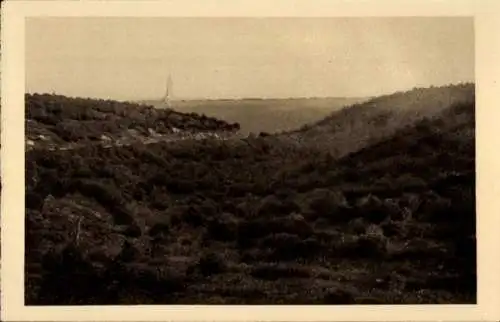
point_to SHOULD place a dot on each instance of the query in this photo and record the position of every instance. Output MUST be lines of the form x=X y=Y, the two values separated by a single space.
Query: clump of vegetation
x=210 y=264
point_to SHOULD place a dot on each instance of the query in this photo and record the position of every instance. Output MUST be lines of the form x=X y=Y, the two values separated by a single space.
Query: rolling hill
x=59 y=119
x=390 y=220
x=360 y=125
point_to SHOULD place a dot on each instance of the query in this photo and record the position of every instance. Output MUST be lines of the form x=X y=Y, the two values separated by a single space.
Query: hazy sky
x=129 y=58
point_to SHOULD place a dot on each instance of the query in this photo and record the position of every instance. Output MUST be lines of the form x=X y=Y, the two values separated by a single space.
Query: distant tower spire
x=168 y=92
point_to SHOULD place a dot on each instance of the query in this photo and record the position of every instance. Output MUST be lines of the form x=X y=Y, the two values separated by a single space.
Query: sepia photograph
x=250 y=161
x=201 y=161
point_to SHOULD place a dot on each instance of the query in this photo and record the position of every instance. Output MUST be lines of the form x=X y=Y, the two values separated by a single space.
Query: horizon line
x=201 y=98
x=251 y=98
x=179 y=99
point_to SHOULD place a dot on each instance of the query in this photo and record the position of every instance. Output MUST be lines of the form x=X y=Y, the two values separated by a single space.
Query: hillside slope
x=257 y=221
x=360 y=125
x=59 y=119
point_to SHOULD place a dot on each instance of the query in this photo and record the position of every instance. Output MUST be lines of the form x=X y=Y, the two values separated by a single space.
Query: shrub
x=279 y=271
x=357 y=226
x=34 y=200
x=133 y=230
x=110 y=198
x=139 y=283
x=208 y=208
x=250 y=230
x=434 y=208
x=371 y=246
x=272 y=205
x=419 y=248
x=294 y=224
x=368 y=246
x=374 y=230
x=392 y=208
x=129 y=253
x=159 y=229
x=369 y=300
x=210 y=264
x=223 y=227
x=181 y=186
x=371 y=208
x=193 y=217
x=184 y=214
x=328 y=204
x=280 y=241
x=394 y=229
x=338 y=296
x=411 y=201
x=63 y=267
x=305 y=249
x=409 y=181
x=286 y=246
x=239 y=189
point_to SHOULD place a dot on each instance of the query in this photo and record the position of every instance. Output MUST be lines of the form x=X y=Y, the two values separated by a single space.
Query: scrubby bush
x=67 y=266
x=394 y=229
x=34 y=201
x=371 y=208
x=434 y=208
x=328 y=204
x=371 y=246
x=129 y=253
x=281 y=241
x=419 y=248
x=364 y=246
x=210 y=264
x=182 y=214
x=392 y=208
x=357 y=226
x=270 y=205
x=279 y=271
x=273 y=206
x=338 y=296
x=159 y=229
x=223 y=227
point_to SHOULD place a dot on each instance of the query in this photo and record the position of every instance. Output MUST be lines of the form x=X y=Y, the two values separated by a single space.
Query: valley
x=263 y=115
x=368 y=202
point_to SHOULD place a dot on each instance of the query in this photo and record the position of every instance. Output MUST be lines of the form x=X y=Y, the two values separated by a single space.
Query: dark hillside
x=361 y=125
x=258 y=221
x=59 y=119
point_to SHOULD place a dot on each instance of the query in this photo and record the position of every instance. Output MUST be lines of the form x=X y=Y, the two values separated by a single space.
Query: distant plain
x=263 y=115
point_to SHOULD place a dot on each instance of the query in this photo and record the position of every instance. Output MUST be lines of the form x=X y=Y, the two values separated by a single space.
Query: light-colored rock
x=105 y=138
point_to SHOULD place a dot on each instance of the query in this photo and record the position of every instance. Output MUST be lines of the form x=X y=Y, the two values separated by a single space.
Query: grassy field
x=265 y=220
